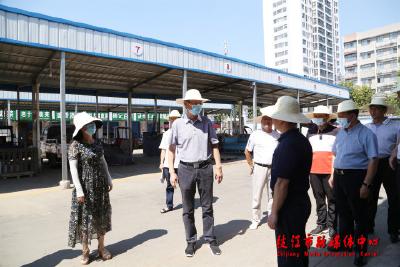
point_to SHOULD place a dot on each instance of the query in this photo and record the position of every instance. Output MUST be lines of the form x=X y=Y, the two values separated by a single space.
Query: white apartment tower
x=372 y=58
x=302 y=37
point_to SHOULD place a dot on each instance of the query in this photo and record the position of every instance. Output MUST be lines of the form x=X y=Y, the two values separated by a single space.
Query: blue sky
x=204 y=24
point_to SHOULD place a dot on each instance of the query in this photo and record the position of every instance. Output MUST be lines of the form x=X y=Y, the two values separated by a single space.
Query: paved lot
x=34 y=217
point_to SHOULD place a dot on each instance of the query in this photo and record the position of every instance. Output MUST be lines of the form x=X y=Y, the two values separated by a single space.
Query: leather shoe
x=394 y=238
x=359 y=260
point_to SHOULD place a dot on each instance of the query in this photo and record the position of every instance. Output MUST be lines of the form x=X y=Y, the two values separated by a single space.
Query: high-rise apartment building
x=372 y=57
x=302 y=37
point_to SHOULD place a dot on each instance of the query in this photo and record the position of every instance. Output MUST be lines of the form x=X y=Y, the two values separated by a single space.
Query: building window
x=367 y=81
x=282 y=53
x=386 y=52
x=367 y=67
x=366 y=55
x=350 y=57
x=281 y=62
x=279 y=3
x=279 y=11
x=365 y=42
x=281 y=44
x=276 y=29
x=284 y=18
x=280 y=36
x=387 y=64
x=351 y=70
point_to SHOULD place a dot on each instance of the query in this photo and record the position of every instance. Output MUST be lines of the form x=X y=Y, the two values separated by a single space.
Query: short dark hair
x=79 y=136
x=355 y=111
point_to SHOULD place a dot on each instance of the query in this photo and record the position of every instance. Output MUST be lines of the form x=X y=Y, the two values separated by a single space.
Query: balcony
x=385 y=44
x=386 y=57
x=350 y=63
x=350 y=75
x=367 y=73
x=389 y=88
x=388 y=83
x=386 y=70
x=366 y=60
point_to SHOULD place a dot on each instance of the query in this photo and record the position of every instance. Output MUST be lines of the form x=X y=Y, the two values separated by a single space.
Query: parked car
x=50 y=143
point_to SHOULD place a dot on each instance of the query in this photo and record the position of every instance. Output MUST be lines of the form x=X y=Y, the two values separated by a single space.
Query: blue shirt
x=292 y=160
x=354 y=148
x=387 y=134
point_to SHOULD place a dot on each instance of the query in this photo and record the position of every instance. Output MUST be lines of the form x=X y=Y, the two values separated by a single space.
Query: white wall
x=295 y=39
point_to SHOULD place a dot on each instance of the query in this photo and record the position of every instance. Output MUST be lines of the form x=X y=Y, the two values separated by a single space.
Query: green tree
x=361 y=95
x=394 y=101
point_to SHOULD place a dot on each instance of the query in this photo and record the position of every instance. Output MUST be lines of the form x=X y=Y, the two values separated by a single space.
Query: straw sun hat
x=192 y=94
x=321 y=110
x=174 y=114
x=287 y=109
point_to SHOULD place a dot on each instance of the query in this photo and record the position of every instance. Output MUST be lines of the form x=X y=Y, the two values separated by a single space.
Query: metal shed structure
x=47 y=54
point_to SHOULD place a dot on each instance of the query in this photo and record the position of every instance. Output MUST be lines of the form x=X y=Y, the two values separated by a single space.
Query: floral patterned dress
x=92 y=218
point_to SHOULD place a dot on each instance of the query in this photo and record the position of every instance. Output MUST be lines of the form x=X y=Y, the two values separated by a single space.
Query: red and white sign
x=137 y=49
x=228 y=67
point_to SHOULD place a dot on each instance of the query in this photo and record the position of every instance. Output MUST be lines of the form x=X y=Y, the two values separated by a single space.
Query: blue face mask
x=318 y=121
x=343 y=123
x=196 y=109
x=91 y=128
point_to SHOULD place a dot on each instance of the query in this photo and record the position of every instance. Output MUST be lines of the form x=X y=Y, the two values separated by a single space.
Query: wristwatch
x=367 y=185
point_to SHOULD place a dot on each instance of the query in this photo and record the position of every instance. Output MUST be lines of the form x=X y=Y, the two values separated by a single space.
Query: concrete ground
x=34 y=216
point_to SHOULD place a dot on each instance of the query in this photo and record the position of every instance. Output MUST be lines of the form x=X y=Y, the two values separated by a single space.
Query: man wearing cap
x=356 y=151
x=262 y=144
x=291 y=166
x=164 y=167
x=322 y=135
x=196 y=140
x=387 y=132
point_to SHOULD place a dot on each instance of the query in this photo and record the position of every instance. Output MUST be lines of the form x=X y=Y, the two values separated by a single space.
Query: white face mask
x=343 y=123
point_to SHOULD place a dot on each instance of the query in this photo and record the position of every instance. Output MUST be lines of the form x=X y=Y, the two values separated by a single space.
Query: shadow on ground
x=227 y=231
x=116 y=249
x=231 y=229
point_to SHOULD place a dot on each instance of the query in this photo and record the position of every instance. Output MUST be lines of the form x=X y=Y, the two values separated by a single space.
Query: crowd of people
x=344 y=161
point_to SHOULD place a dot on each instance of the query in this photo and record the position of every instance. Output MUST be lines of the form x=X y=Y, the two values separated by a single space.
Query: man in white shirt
x=261 y=144
x=164 y=145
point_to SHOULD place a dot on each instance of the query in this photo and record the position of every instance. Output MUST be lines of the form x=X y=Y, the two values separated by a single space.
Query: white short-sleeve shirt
x=165 y=142
x=263 y=145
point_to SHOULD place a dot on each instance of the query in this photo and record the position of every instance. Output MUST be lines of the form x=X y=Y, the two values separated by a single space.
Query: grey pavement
x=34 y=216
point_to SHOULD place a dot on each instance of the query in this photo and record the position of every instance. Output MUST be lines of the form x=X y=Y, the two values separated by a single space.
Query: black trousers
x=292 y=219
x=352 y=210
x=189 y=177
x=386 y=176
x=325 y=200
x=169 y=190
x=398 y=185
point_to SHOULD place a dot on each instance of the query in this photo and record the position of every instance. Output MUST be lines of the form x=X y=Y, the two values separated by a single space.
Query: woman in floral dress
x=91 y=208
